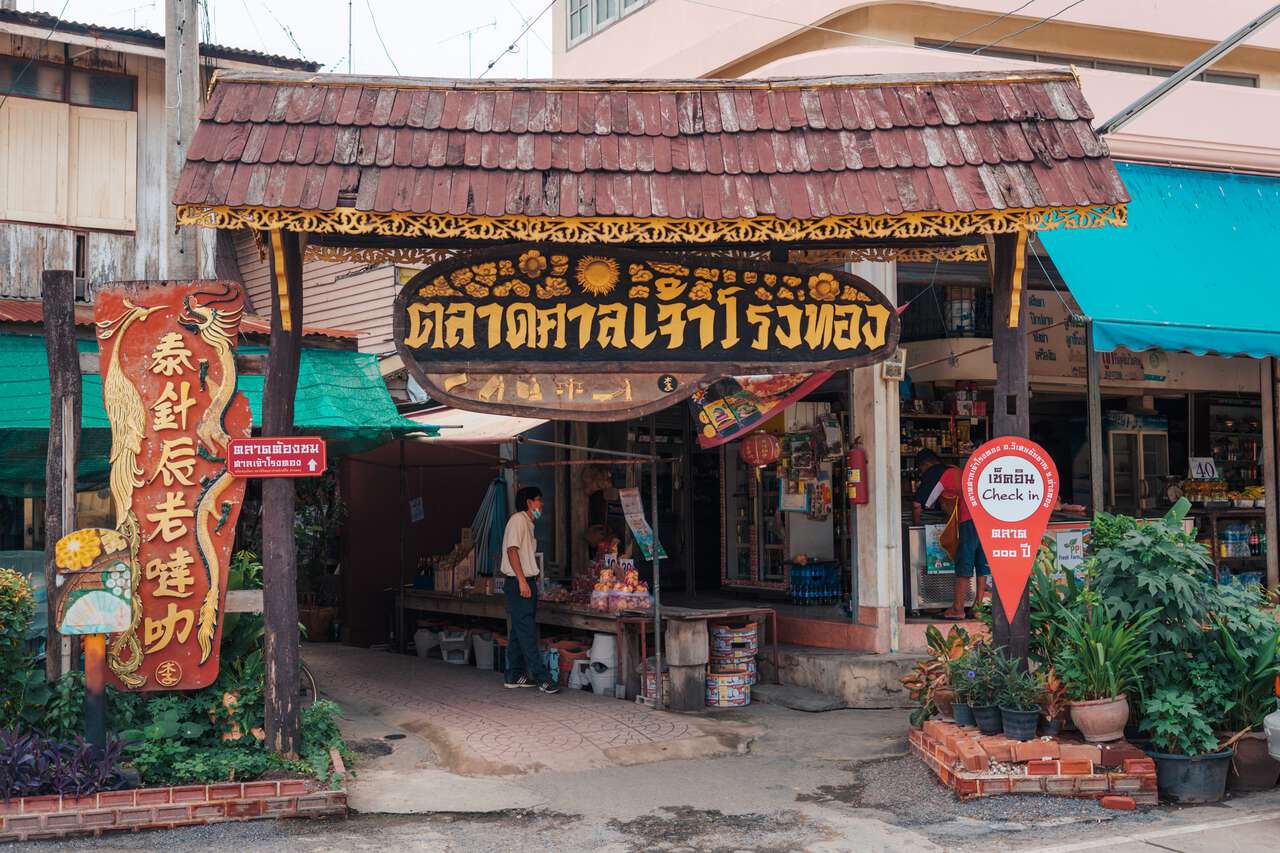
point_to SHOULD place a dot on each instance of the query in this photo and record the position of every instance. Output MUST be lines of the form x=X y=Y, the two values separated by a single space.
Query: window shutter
x=103 y=173
x=33 y=165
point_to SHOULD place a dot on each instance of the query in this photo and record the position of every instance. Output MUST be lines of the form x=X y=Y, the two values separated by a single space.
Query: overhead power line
x=511 y=48
x=378 y=33
x=1029 y=27
x=982 y=27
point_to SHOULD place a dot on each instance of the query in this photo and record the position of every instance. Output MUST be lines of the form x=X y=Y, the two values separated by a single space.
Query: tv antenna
x=470 y=34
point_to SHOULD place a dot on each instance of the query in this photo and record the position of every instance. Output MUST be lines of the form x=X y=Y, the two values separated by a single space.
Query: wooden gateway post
x=279 y=555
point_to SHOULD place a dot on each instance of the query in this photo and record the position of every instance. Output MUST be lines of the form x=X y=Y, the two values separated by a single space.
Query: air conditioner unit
x=926 y=591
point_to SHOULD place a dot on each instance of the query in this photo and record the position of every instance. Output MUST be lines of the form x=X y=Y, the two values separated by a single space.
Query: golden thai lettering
x=728 y=297
x=521 y=320
x=459 y=325
x=169 y=411
x=846 y=329
x=641 y=337
x=550 y=327
x=159 y=633
x=172 y=576
x=425 y=322
x=177 y=461
x=758 y=316
x=671 y=323
x=168 y=517
x=877 y=328
x=819 y=325
x=612 y=320
x=789 y=325
x=171 y=356
x=492 y=316
x=705 y=317
x=584 y=315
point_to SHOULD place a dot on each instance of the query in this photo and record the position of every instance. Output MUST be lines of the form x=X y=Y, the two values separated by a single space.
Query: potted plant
x=984 y=690
x=1019 y=699
x=1191 y=763
x=1053 y=700
x=960 y=677
x=1250 y=677
x=1100 y=661
x=928 y=683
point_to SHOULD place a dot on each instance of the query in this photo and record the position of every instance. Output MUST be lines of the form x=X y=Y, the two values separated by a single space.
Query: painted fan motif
x=94 y=582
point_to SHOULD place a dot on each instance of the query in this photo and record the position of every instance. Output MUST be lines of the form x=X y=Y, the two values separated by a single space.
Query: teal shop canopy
x=341 y=396
x=1189 y=273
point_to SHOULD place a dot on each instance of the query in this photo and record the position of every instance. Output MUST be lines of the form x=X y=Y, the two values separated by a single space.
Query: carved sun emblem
x=597 y=276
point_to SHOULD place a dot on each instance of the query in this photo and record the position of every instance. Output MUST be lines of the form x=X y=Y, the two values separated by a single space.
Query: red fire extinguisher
x=856 y=484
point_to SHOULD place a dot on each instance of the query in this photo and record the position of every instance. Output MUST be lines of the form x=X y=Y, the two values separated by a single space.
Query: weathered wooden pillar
x=279 y=557
x=64 y=442
x=1093 y=392
x=1012 y=412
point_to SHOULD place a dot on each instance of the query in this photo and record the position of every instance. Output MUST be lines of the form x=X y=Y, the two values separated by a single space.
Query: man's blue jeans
x=523 y=654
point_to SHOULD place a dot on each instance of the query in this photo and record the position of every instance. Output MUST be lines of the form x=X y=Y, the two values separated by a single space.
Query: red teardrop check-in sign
x=1011 y=487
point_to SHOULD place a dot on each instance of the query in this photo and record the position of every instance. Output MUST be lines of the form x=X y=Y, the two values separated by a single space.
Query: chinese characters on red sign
x=296 y=456
x=169 y=386
x=1011 y=487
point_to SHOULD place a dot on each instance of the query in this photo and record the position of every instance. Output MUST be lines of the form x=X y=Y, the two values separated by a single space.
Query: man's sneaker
x=522 y=681
x=549 y=687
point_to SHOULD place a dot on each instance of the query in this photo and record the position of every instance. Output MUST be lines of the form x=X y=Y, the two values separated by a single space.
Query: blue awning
x=1194 y=270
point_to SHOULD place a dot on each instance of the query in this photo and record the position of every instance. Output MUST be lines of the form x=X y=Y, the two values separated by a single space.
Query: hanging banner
x=633 y=512
x=1011 y=487
x=732 y=407
x=169 y=387
x=521 y=326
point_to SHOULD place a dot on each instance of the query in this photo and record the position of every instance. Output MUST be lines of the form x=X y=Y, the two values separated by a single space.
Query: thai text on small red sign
x=295 y=456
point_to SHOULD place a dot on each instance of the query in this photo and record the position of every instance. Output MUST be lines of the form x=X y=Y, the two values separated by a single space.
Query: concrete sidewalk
x=477 y=727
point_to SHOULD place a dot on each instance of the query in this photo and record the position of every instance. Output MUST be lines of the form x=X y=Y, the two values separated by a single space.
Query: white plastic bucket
x=424 y=640
x=603 y=678
x=604 y=649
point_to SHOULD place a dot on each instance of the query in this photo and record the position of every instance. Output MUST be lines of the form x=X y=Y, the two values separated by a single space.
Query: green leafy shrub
x=1101 y=658
x=1177 y=723
x=1019 y=690
x=17 y=606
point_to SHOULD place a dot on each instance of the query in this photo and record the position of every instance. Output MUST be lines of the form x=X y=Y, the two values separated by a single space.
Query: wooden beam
x=1093 y=394
x=64 y=443
x=1012 y=414
x=246 y=365
x=279 y=558
x=1269 y=473
x=183 y=102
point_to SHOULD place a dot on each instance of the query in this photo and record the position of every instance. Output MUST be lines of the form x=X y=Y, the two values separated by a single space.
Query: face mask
x=537 y=514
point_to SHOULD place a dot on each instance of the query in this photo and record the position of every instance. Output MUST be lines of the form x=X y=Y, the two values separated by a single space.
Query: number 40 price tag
x=1203 y=468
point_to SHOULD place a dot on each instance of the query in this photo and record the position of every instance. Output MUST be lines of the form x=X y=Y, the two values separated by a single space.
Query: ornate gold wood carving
x=606 y=229
x=822 y=257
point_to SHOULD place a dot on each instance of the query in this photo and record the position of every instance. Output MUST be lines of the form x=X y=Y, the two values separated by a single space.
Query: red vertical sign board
x=1011 y=487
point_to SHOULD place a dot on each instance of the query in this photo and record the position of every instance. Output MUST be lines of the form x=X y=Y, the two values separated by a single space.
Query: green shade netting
x=341 y=396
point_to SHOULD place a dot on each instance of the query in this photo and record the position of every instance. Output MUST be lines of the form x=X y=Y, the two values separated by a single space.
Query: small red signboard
x=1011 y=487
x=293 y=456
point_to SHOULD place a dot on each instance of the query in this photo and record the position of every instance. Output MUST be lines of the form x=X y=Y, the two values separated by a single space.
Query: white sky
x=424 y=37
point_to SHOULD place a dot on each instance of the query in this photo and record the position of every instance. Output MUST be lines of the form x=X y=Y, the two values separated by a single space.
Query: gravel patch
x=903 y=792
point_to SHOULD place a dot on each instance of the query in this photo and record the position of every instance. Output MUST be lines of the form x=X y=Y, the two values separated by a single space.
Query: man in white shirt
x=520 y=566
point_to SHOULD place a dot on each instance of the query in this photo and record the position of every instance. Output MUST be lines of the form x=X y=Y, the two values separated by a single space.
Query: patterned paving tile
x=520 y=730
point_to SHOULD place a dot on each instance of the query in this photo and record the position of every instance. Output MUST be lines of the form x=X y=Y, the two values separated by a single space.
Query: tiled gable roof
x=722 y=149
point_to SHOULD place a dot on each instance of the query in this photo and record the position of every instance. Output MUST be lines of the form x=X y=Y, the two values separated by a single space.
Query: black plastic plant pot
x=1052 y=728
x=987 y=719
x=1020 y=725
x=963 y=713
x=1192 y=778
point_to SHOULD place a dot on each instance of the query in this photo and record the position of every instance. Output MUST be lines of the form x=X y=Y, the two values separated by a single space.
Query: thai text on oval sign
x=169 y=388
x=598 y=308
x=1011 y=487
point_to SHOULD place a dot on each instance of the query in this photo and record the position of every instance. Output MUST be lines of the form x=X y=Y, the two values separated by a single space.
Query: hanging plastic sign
x=1011 y=487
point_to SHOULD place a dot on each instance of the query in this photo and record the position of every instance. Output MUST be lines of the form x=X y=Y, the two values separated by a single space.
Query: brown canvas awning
x=675 y=161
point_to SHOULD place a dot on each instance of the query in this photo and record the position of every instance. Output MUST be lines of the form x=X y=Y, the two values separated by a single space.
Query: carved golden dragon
x=128 y=418
x=217 y=327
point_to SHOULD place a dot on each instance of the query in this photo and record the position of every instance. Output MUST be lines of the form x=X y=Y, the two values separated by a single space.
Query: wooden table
x=630 y=671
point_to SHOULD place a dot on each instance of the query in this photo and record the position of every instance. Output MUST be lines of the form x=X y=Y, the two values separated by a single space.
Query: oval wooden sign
x=594 y=309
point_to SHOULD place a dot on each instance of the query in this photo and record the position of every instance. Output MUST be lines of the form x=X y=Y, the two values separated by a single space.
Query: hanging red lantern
x=760 y=449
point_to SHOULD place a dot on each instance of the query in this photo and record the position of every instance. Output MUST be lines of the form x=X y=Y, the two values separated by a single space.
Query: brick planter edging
x=53 y=816
x=1134 y=778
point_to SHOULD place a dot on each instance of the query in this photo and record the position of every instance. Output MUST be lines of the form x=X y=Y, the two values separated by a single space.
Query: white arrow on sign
x=311 y=465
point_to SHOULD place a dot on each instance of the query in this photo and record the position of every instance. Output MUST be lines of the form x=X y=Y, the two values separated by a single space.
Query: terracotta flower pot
x=1253 y=768
x=944 y=698
x=1101 y=719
